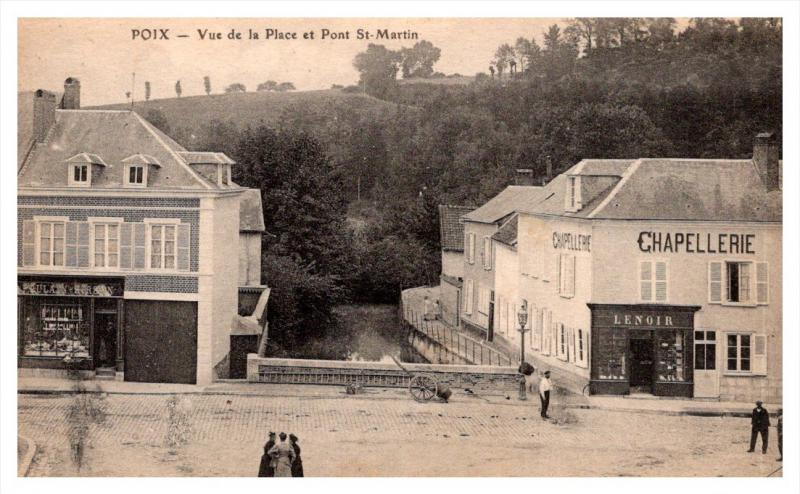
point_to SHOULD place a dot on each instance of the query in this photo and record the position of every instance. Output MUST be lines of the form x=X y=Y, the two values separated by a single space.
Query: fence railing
x=455 y=341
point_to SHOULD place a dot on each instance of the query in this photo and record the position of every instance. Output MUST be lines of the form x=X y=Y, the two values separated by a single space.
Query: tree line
x=235 y=87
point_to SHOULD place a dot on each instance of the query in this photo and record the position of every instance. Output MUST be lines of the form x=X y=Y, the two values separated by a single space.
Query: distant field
x=251 y=108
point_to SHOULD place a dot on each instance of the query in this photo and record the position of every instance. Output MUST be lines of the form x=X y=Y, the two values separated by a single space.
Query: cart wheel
x=422 y=388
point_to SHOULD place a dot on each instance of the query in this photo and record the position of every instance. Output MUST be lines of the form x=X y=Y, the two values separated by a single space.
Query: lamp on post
x=522 y=317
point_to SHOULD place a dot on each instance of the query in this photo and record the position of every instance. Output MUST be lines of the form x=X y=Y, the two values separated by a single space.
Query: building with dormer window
x=130 y=248
x=652 y=276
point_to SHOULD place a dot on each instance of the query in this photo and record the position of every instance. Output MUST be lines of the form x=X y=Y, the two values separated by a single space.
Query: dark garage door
x=161 y=341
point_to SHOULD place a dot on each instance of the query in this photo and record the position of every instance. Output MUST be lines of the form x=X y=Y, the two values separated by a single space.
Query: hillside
x=245 y=109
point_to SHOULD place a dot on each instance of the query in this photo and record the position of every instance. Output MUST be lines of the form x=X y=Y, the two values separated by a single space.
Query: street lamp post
x=522 y=317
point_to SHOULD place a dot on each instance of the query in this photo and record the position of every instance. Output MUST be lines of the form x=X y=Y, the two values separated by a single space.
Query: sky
x=104 y=55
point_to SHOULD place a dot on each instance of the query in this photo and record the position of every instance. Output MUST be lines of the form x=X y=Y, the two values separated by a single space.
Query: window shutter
x=487 y=247
x=471 y=247
x=715 y=282
x=759 y=363
x=184 y=230
x=28 y=243
x=646 y=281
x=661 y=281
x=571 y=341
x=557 y=276
x=71 y=244
x=545 y=333
x=762 y=282
x=468 y=297
x=126 y=245
x=84 y=239
x=571 y=276
x=139 y=243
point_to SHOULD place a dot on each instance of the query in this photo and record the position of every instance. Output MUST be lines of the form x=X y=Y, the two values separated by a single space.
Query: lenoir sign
x=696 y=243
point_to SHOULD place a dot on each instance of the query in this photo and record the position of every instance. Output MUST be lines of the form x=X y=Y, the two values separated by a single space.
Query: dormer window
x=136 y=175
x=573 y=195
x=136 y=169
x=79 y=169
x=80 y=175
x=213 y=167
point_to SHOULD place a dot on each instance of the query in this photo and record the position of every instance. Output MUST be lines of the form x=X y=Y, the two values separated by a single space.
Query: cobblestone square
x=375 y=435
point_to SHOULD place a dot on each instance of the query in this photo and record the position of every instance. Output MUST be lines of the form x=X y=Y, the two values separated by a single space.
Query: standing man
x=780 y=433
x=760 y=424
x=544 y=393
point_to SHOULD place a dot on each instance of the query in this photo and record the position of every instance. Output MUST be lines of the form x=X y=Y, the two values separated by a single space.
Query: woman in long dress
x=267 y=467
x=283 y=453
x=297 y=465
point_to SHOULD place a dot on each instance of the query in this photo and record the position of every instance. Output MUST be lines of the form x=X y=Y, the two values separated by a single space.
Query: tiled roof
x=206 y=158
x=511 y=199
x=670 y=189
x=113 y=136
x=451 y=227
x=251 y=215
x=141 y=159
x=88 y=158
x=507 y=234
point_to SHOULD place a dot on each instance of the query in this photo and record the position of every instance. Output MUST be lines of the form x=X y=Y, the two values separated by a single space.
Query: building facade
x=658 y=276
x=478 y=294
x=451 y=238
x=128 y=247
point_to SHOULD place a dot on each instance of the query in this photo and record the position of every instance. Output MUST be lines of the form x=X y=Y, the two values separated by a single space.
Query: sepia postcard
x=414 y=246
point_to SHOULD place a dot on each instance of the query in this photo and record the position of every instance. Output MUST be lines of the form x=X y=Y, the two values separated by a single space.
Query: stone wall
x=479 y=379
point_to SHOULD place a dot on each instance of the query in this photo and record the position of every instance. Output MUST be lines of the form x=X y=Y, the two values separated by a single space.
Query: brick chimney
x=766 y=153
x=549 y=170
x=523 y=176
x=44 y=113
x=72 y=94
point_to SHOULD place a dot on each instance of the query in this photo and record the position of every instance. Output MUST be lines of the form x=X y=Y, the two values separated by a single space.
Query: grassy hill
x=244 y=109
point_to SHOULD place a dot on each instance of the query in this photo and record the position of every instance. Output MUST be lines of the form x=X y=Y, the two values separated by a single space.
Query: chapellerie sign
x=697 y=243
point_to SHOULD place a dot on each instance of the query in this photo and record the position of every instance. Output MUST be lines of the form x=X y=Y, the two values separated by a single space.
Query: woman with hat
x=297 y=464
x=267 y=466
x=283 y=453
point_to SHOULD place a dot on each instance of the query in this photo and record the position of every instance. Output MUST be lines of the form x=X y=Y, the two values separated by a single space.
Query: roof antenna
x=133 y=88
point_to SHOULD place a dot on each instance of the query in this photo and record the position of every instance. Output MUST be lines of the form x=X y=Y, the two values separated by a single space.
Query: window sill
x=741 y=374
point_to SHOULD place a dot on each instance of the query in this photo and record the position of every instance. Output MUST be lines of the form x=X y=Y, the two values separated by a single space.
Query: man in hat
x=760 y=424
x=544 y=393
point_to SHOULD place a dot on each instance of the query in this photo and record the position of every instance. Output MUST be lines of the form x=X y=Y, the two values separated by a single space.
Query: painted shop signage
x=572 y=241
x=696 y=243
x=644 y=319
x=73 y=288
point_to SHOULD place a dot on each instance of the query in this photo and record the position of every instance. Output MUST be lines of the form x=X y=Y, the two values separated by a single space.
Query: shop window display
x=55 y=329
x=671 y=358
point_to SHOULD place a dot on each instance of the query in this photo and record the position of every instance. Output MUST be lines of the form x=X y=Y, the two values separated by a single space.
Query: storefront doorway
x=641 y=361
x=105 y=339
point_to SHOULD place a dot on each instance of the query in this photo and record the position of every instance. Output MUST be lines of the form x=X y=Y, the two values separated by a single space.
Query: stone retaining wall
x=480 y=379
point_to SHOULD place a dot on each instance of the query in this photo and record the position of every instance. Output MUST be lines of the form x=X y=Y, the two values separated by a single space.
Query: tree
x=267 y=86
x=178 y=89
x=377 y=69
x=418 y=61
x=236 y=87
x=583 y=29
x=285 y=86
x=158 y=120
x=661 y=31
x=207 y=84
x=503 y=58
x=147 y=90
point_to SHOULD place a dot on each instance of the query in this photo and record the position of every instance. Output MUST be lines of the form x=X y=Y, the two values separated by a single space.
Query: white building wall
x=616 y=280
x=506 y=287
x=225 y=291
x=205 y=319
x=249 y=258
x=453 y=263
x=539 y=244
